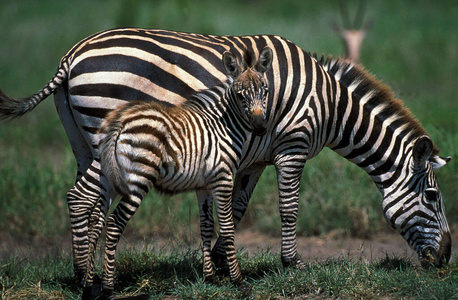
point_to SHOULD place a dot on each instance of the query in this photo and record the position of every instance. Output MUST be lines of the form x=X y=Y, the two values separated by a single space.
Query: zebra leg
x=80 y=147
x=81 y=199
x=289 y=173
x=222 y=195
x=115 y=225
x=83 y=196
x=244 y=184
x=206 y=231
x=96 y=224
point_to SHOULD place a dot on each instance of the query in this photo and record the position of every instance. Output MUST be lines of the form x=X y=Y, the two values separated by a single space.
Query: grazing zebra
x=196 y=146
x=312 y=104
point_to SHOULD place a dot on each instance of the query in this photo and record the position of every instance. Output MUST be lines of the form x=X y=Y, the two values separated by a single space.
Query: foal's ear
x=265 y=60
x=230 y=64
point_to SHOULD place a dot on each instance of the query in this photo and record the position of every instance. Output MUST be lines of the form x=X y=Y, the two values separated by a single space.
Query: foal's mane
x=351 y=73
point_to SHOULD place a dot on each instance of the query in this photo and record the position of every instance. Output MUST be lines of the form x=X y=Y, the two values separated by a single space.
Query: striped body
x=312 y=104
x=196 y=146
x=179 y=149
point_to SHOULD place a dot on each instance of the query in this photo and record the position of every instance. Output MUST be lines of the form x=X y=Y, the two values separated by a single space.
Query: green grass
x=413 y=48
x=153 y=274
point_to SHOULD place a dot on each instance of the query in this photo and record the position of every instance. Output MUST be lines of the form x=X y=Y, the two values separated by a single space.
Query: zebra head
x=414 y=206
x=250 y=87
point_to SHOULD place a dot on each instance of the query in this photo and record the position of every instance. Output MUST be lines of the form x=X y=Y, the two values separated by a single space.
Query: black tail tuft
x=12 y=108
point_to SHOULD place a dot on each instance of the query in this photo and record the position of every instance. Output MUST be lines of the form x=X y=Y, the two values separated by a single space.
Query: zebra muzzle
x=258 y=120
x=430 y=257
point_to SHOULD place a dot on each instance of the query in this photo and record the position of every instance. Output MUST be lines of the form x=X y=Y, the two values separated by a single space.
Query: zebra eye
x=431 y=194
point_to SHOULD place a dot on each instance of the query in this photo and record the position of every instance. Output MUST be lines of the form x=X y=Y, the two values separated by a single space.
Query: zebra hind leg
x=83 y=196
x=81 y=199
x=96 y=224
x=115 y=225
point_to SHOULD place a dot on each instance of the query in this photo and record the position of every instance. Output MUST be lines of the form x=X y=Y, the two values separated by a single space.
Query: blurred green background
x=412 y=46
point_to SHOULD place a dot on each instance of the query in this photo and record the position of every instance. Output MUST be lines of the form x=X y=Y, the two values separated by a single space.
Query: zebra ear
x=230 y=64
x=265 y=60
x=437 y=161
x=422 y=150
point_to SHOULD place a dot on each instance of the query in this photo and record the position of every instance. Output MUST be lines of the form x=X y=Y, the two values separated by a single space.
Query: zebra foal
x=196 y=146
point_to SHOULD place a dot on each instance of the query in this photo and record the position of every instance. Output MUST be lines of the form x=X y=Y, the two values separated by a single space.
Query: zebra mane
x=348 y=73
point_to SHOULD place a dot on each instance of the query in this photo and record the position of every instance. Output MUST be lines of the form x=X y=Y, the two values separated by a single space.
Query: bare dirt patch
x=311 y=249
x=332 y=246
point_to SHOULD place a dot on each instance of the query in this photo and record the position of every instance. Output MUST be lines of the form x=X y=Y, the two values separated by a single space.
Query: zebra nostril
x=428 y=258
x=445 y=249
x=259 y=123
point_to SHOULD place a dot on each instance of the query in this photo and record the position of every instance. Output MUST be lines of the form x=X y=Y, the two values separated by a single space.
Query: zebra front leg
x=289 y=177
x=206 y=231
x=244 y=184
x=222 y=195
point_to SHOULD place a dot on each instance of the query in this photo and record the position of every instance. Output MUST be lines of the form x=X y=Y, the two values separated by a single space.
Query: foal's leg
x=222 y=194
x=206 y=230
x=245 y=182
x=115 y=225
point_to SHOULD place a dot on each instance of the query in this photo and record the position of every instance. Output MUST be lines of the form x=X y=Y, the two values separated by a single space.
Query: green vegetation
x=413 y=51
x=412 y=47
x=153 y=275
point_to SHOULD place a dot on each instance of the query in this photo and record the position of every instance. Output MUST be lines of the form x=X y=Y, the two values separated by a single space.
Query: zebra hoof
x=92 y=292
x=87 y=293
x=209 y=275
x=210 y=278
x=107 y=295
x=220 y=261
x=295 y=262
x=79 y=279
x=244 y=289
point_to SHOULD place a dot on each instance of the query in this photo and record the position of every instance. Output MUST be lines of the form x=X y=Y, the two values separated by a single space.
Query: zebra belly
x=172 y=183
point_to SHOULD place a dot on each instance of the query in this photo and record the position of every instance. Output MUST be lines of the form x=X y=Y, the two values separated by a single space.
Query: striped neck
x=220 y=102
x=371 y=127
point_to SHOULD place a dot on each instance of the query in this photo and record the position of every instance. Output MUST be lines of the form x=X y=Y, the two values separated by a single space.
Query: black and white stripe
x=196 y=146
x=312 y=104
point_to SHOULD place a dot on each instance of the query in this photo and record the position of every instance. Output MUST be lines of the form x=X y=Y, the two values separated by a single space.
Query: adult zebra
x=313 y=105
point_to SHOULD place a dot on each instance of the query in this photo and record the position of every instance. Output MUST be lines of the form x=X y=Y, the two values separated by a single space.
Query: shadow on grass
x=152 y=272
x=390 y=263
x=138 y=275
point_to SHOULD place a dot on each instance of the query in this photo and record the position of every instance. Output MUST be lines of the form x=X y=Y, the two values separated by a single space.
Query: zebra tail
x=111 y=130
x=11 y=107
